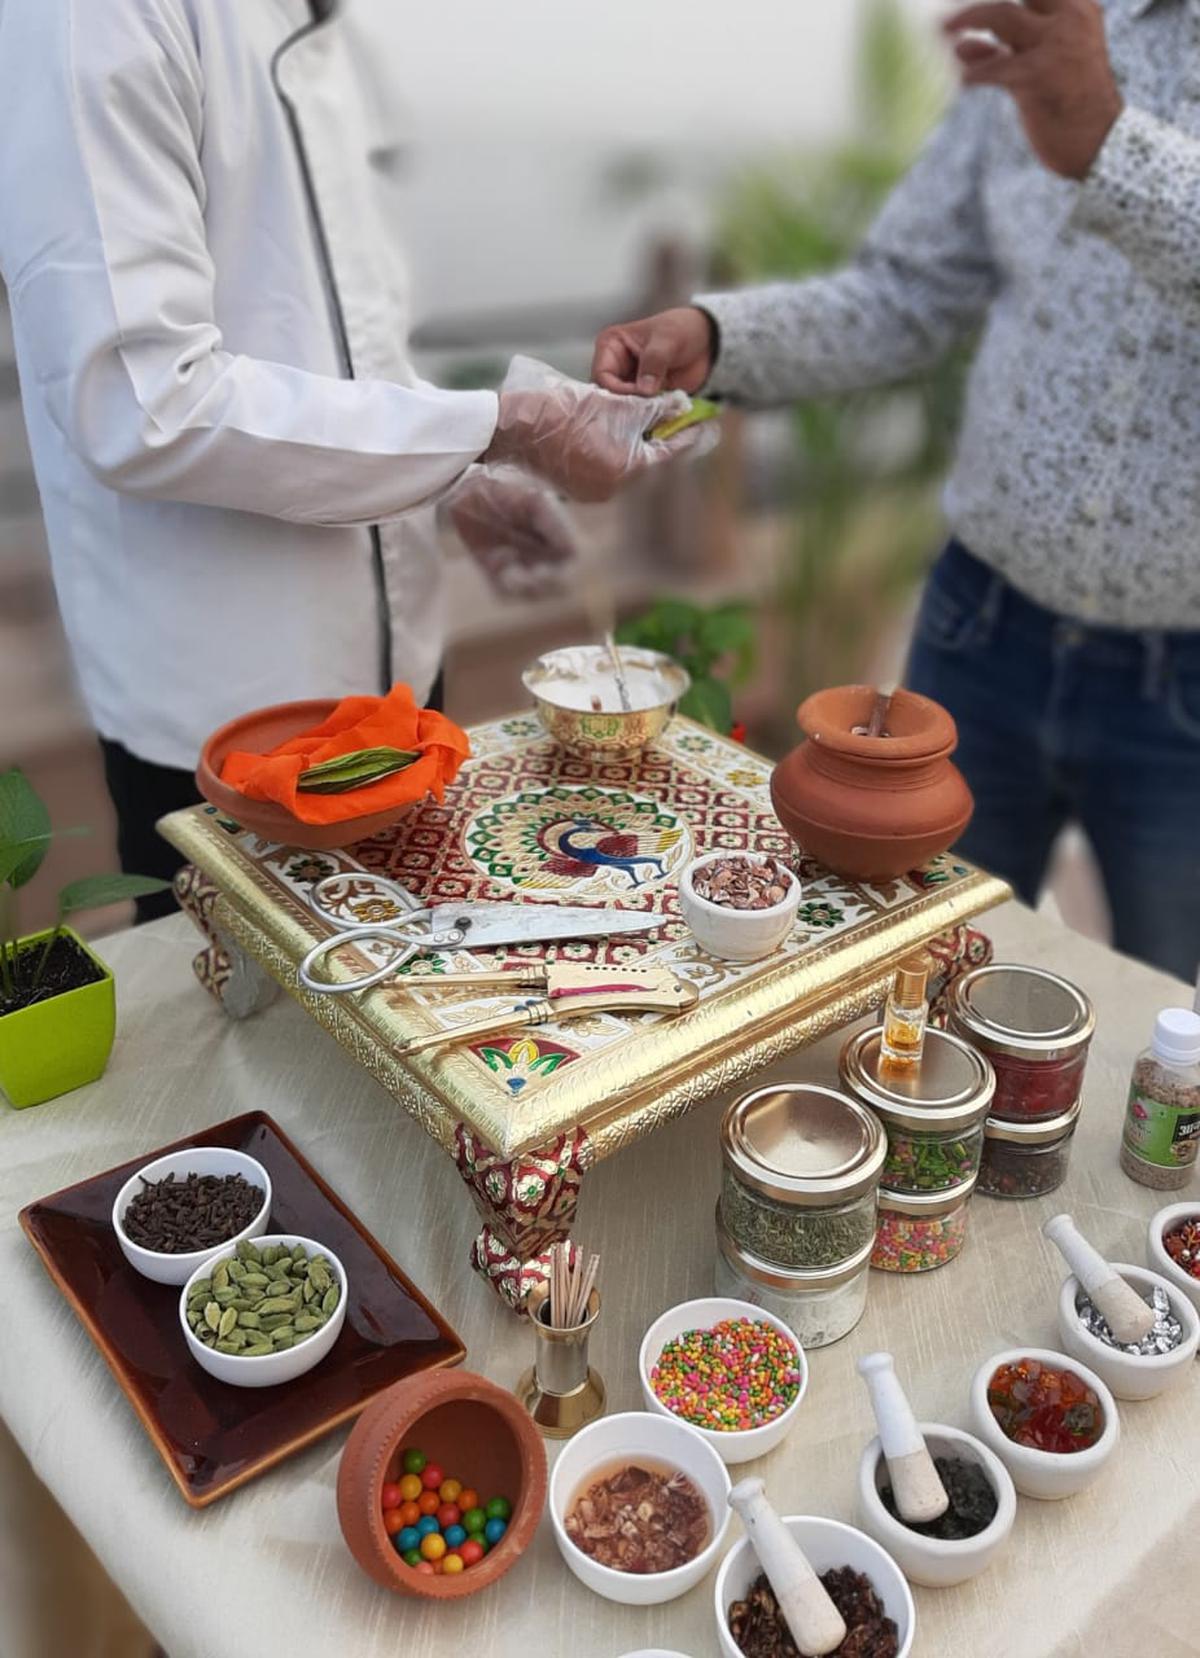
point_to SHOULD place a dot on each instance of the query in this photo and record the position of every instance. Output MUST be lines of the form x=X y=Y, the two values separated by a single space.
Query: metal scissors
x=464 y=926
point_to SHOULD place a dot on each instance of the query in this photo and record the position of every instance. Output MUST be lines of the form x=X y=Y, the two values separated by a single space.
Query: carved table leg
x=957 y=951
x=231 y=977
x=528 y=1203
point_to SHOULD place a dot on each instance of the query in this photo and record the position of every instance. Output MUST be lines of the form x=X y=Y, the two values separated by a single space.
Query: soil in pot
x=67 y=968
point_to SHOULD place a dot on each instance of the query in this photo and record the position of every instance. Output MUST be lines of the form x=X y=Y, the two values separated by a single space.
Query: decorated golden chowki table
x=526 y=1113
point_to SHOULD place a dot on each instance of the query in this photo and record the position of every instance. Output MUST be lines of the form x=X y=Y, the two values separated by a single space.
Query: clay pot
x=473 y=1430
x=258 y=733
x=872 y=807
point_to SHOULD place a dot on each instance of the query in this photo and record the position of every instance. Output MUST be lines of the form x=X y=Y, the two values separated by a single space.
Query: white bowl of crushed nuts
x=640 y=1507
x=266 y=1312
x=740 y=905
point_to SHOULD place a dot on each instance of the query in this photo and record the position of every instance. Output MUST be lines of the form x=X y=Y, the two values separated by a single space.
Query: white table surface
x=264 y=1572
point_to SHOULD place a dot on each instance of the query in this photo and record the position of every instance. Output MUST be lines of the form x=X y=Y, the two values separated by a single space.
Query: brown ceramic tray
x=213 y=1437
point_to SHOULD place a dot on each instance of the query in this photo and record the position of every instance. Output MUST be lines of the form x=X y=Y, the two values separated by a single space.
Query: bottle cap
x=908 y=987
x=1177 y=1036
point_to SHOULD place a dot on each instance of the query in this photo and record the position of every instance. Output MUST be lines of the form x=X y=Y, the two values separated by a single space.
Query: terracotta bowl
x=872 y=808
x=259 y=732
x=475 y=1431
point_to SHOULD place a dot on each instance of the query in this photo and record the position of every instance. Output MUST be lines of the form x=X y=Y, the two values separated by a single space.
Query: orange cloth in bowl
x=393 y=721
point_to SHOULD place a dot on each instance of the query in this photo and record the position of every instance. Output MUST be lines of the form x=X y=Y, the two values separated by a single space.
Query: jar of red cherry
x=1035 y=1028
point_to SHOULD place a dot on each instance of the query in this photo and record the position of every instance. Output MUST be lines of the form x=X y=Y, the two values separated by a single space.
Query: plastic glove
x=518 y=532
x=583 y=439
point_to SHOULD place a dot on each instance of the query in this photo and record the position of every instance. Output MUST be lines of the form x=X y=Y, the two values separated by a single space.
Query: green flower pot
x=61 y=1043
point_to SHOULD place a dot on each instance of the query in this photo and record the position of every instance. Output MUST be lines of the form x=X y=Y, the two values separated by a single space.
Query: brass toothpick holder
x=561 y=1391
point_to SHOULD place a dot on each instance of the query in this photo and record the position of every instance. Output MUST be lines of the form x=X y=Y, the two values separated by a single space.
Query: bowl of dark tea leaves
x=177 y=1211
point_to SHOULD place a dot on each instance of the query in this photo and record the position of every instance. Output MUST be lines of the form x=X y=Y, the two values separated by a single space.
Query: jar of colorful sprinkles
x=933 y=1113
x=917 y=1234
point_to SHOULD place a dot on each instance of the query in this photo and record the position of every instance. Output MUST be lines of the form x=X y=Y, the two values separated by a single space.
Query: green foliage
x=861 y=484
x=716 y=644
x=25 y=836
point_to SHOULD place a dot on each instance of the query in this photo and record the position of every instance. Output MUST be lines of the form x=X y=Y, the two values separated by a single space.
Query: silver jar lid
x=1021 y=1012
x=1037 y=1131
x=791 y=1280
x=803 y=1145
x=927 y=1205
x=950 y=1089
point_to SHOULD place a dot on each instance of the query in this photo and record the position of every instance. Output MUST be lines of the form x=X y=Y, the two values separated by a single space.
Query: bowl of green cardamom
x=265 y=1313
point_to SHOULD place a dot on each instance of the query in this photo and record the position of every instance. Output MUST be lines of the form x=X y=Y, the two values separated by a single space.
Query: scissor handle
x=383 y=887
x=391 y=935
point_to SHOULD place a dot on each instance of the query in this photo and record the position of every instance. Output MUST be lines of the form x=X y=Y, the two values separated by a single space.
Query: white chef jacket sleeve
x=922 y=279
x=117 y=309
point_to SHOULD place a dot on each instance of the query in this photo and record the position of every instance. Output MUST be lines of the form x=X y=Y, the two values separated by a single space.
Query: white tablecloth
x=1109 y=1573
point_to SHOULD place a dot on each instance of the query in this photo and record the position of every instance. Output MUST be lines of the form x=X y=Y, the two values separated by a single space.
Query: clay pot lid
x=919 y=727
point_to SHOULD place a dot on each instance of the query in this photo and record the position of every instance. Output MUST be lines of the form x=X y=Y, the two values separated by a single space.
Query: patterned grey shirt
x=1078 y=470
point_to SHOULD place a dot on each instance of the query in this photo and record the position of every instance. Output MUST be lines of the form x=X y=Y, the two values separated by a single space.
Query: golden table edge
x=681 y=1076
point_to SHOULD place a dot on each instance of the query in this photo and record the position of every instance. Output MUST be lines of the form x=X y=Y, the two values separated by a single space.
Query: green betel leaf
x=24 y=824
x=94 y=891
x=709 y=702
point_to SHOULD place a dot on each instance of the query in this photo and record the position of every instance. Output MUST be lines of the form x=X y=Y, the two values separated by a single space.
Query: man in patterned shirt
x=1057 y=213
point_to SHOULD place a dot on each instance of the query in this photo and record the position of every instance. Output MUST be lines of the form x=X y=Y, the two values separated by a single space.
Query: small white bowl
x=928 y=1560
x=218 y=1160
x=636 y=1436
x=1158 y=1259
x=1130 y=1375
x=828 y=1545
x=241 y=1370
x=738 y=1445
x=737 y=935
x=1047 y=1475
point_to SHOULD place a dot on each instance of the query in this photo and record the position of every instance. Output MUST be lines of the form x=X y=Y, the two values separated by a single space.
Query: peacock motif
x=604 y=846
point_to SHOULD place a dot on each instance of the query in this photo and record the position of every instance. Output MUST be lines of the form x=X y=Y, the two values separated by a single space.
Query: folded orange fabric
x=393 y=721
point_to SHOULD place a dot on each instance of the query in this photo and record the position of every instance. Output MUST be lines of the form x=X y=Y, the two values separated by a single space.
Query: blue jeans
x=1060 y=722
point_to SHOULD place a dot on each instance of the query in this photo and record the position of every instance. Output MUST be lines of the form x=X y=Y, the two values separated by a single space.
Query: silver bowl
x=563 y=684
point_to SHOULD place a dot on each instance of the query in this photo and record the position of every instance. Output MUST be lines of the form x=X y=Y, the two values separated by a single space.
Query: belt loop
x=989 y=610
x=1154 y=667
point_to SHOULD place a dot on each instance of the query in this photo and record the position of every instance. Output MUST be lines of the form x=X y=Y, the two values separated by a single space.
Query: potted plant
x=57 y=1006
x=714 y=643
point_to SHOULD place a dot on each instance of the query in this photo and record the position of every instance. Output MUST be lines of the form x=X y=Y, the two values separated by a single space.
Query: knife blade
x=487 y=924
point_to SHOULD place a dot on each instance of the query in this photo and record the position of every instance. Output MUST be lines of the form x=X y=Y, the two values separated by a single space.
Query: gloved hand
x=518 y=532
x=580 y=438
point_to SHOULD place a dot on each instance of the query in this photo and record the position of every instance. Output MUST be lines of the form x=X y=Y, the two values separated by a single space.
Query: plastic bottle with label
x=1161 y=1137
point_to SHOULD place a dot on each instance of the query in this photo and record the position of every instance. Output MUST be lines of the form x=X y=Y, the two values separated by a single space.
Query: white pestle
x=816 y=1625
x=1127 y=1315
x=916 y=1483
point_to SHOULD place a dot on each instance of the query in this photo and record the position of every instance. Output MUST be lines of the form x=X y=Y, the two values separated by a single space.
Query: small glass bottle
x=904 y=1017
x=1162 y=1119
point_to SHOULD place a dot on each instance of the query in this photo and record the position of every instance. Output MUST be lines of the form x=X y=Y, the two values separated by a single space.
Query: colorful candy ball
x=411 y=1488
x=412 y=1557
x=407 y=1539
x=453 y=1564
x=414 y=1461
x=475 y=1519
x=455 y=1537
x=431 y=1476
x=433 y=1547
x=494 y=1530
x=471 y=1552
x=426 y=1526
x=499 y=1509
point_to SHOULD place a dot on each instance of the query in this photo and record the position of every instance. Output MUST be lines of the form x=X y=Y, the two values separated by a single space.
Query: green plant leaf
x=94 y=891
x=709 y=702
x=24 y=822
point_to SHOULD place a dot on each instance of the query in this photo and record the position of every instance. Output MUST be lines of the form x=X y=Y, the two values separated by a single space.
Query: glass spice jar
x=818 y=1307
x=933 y=1113
x=1034 y=1027
x=801 y=1165
x=917 y=1234
x=1027 y=1159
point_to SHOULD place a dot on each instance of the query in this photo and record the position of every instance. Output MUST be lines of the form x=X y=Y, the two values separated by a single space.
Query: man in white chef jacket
x=210 y=319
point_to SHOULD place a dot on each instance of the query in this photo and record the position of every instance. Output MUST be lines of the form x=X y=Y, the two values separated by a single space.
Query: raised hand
x=1051 y=56
x=672 y=351
x=585 y=441
x=517 y=530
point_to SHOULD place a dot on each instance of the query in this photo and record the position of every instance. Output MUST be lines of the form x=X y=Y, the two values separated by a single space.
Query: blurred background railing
x=556 y=171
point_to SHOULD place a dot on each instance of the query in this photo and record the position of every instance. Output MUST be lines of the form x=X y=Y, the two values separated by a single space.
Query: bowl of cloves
x=740 y=906
x=180 y=1210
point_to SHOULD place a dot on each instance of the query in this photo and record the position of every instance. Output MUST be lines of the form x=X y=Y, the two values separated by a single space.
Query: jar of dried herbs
x=1026 y=1159
x=819 y=1307
x=933 y=1113
x=1162 y=1119
x=801 y=1166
